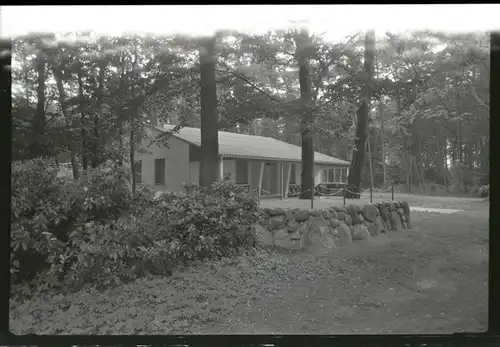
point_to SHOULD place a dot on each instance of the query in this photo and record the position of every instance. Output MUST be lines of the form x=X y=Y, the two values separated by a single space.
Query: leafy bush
x=474 y=191
x=484 y=191
x=66 y=233
x=46 y=209
x=208 y=222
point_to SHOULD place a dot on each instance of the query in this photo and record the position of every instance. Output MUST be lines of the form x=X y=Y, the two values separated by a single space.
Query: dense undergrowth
x=66 y=234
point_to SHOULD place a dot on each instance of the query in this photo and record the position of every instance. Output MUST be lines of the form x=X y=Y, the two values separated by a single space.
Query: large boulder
x=293 y=226
x=333 y=213
x=303 y=228
x=282 y=239
x=301 y=216
x=384 y=212
x=266 y=211
x=353 y=212
x=395 y=221
x=296 y=244
x=337 y=209
x=289 y=216
x=348 y=220
x=276 y=212
x=387 y=226
x=334 y=222
x=318 y=225
x=341 y=215
x=326 y=214
x=276 y=222
x=264 y=236
x=406 y=208
x=360 y=233
x=373 y=229
x=359 y=219
x=335 y=231
x=380 y=225
x=315 y=213
x=345 y=236
x=370 y=212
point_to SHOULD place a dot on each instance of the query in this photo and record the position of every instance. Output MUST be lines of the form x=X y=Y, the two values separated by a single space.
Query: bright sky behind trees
x=335 y=21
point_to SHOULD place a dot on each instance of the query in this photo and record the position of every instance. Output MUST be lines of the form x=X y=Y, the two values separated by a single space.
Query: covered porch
x=270 y=178
x=266 y=178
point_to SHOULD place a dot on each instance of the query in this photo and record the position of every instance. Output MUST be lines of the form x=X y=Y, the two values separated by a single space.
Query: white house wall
x=194 y=172
x=177 y=167
x=229 y=168
x=317 y=173
x=298 y=173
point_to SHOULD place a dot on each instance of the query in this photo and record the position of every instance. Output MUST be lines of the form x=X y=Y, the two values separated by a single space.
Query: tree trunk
x=370 y=158
x=445 y=162
x=95 y=133
x=382 y=135
x=132 y=129
x=418 y=165
x=36 y=148
x=209 y=166
x=355 y=172
x=119 y=118
x=62 y=99
x=83 y=124
x=307 y=145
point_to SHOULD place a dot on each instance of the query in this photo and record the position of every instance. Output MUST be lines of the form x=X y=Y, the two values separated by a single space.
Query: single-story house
x=265 y=164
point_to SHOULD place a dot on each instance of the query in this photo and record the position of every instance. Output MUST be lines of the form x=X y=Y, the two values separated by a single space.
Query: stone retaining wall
x=333 y=227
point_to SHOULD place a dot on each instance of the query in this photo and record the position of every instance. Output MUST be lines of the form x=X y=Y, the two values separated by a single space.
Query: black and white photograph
x=249 y=169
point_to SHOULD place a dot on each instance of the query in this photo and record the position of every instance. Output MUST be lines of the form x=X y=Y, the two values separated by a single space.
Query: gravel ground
x=432 y=279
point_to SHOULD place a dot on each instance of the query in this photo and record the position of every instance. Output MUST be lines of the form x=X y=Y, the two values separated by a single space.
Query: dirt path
x=444 y=202
x=429 y=280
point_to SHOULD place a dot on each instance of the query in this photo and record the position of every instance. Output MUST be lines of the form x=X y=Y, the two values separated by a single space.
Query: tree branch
x=478 y=99
x=246 y=80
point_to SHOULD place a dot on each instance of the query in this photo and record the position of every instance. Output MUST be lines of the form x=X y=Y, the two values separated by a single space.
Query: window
x=292 y=175
x=138 y=171
x=334 y=175
x=241 y=172
x=159 y=171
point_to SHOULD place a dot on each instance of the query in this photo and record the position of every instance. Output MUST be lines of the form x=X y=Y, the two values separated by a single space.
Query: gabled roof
x=253 y=147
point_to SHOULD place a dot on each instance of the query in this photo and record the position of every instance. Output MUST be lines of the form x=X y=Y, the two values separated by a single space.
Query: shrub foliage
x=69 y=233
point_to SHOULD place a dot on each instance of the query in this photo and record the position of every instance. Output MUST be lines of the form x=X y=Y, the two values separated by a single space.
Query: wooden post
x=261 y=176
x=370 y=158
x=221 y=168
x=249 y=172
x=281 y=181
x=287 y=185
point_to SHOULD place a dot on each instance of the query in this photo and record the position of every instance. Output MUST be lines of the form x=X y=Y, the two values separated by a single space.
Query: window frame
x=156 y=183
x=335 y=173
x=138 y=174
x=293 y=178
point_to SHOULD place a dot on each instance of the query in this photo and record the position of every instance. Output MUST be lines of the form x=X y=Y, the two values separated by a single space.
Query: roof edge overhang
x=248 y=156
x=239 y=156
x=174 y=135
